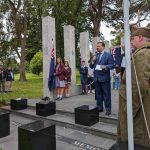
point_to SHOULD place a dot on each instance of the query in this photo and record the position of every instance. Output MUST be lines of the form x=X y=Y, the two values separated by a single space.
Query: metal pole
x=128 y=75
x=139 y=18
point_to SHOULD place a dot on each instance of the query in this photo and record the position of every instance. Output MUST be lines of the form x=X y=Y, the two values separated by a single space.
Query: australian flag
x=116 y=53
x=51 y=80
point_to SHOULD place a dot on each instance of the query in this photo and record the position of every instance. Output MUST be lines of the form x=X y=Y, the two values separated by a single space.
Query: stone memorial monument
x=94 y=42
x=69 y=52
x=84 y=46
x=107 y=48
x=48 y=40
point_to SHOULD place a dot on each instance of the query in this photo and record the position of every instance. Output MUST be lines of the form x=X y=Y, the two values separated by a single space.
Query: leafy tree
x=36 y=65
x=111 y=11
x=22 y=27
x=70 y=12
x=16 y=21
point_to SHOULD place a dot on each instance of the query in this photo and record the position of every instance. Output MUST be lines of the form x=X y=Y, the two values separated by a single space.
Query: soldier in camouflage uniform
x=140 y=41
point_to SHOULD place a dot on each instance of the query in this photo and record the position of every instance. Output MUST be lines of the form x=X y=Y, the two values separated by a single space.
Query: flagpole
x=128 y=75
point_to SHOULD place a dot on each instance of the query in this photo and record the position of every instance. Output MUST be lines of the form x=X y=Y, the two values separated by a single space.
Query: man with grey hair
x=140 y=41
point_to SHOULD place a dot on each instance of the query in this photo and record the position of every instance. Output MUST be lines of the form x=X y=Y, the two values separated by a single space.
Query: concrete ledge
x=75 y=89
x=68 y=124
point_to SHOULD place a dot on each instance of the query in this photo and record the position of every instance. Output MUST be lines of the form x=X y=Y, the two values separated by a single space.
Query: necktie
x=99 y=57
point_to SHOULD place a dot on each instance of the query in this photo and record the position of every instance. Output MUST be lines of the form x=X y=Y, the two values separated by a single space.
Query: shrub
x=36 y=64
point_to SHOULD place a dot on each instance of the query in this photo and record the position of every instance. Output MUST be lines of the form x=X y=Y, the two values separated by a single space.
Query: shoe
x=60 y=98
x=57 y=98
x=45 y=98
x=101 y=110
x=108 y=113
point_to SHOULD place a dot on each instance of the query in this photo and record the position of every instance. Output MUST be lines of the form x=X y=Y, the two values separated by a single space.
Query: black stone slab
x=45 y=108
x=124 y=146
x=86 y=115
x=37 y=136
x=4 y=124
x=18 y=104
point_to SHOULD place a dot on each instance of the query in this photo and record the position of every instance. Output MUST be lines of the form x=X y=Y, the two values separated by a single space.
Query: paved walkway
x=66 y=139
x=68 y=104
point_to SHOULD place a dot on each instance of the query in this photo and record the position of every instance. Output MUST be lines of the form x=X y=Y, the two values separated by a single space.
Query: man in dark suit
x=102 y=63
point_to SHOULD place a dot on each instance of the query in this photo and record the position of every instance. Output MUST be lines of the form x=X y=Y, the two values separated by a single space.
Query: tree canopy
x=21 y=23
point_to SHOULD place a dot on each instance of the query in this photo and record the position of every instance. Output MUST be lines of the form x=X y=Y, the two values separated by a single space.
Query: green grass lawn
x=31 y=89
x=78 y=81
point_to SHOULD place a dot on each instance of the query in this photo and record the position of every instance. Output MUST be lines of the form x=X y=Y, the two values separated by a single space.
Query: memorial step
x=101 y=129
x=66 y=138
x=112 y=119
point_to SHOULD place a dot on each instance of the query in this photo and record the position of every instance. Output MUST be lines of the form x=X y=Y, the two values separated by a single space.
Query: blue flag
x=116 y=53
x=51 y=80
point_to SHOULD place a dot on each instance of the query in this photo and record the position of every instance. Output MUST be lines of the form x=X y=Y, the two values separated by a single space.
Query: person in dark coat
x=9 y=79
x=83 y=76
x=102 y=63
x=67 y=79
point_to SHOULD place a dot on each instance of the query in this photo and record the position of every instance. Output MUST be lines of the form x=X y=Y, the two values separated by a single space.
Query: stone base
x=86 y=115
x=37 y=136
x=45 y=108
x=75 y=89
x=18 y=104
x=124 y=146
x=4 y=124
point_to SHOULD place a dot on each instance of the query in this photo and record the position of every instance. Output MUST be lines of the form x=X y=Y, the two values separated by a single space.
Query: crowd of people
x=95 y=78
x=6 y=79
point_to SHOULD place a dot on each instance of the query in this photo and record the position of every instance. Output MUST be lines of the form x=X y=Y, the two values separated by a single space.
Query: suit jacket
x=103 y=75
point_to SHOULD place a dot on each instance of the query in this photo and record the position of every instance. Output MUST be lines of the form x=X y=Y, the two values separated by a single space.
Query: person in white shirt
x=90 y=78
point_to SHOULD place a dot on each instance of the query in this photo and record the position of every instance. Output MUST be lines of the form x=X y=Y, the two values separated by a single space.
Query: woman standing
x=60 y=77
x=67 y=79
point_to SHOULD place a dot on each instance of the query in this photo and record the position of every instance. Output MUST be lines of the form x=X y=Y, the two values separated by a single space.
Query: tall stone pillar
x=69 y=52
x=48 y=34
x=94 y=43
x=107 y=48
x=69 y=47
x=84 y=46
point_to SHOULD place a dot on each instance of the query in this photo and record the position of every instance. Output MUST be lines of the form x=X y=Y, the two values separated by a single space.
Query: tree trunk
x=21 y=39
x=22 y=66
x=96 y=30
x=95 y=11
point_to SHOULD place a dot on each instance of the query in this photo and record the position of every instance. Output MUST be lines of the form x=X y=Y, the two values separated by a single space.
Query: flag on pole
x=116 y=53
x=51 y=80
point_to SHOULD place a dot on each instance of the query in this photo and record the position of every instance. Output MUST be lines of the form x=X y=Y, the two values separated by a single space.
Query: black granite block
x=4 y=124
x=37 y=136
x=45 y=108
x=86 y=115
x=18 y=104
x=124 y=146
